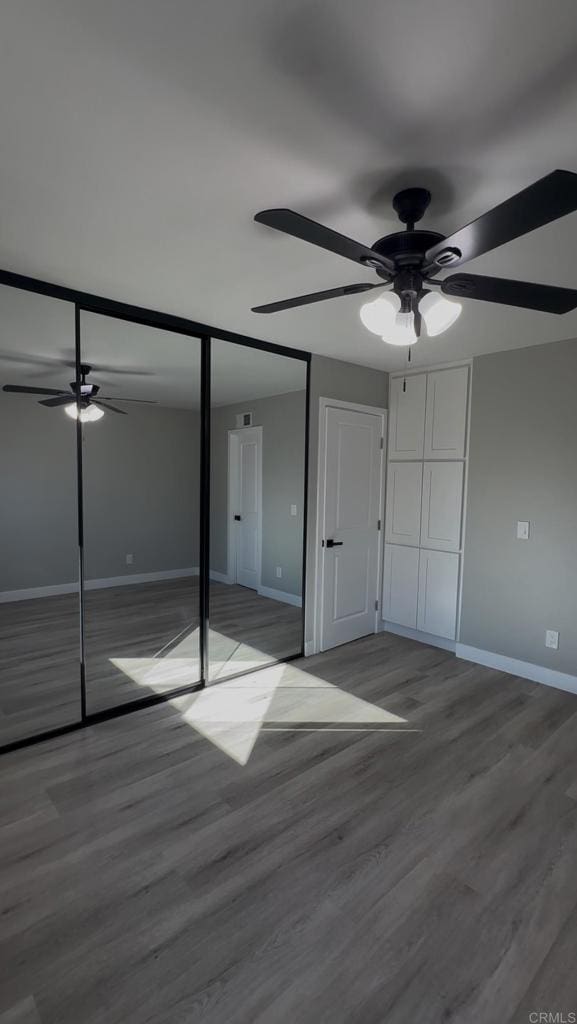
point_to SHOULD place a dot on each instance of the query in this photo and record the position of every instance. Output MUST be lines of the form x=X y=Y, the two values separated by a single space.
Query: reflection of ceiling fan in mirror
x=91 y=407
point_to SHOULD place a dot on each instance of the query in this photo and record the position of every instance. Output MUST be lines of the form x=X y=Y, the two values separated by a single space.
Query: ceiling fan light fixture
x=378 y=316
x=88 y=413
x=402 y=331
x=438 y=313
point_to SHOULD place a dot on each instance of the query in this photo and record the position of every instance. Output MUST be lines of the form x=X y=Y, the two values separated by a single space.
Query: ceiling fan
x=408 y=261
x=91 y=407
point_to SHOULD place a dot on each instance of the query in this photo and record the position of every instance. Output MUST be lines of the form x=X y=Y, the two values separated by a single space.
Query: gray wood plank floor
x=125 y=627
x=409 y=860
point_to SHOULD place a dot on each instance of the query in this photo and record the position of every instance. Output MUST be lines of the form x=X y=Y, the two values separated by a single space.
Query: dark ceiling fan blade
x=112 y=408
x=32 y=391
x=295 y=224
x=116 y=370
x=63 y=400
x=546 y=200
x=544 y=297
x=117 y=398
x=305 y=300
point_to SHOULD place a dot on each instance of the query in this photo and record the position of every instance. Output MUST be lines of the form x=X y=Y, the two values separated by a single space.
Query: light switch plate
x=552 y=639
x=522 y=531
x=293 y=510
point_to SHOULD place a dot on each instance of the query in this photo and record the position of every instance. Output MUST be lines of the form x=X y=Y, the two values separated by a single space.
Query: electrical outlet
x=293 y=510
x=522 y=531
x=552 y=639
x=278 y=572
x=130 y=559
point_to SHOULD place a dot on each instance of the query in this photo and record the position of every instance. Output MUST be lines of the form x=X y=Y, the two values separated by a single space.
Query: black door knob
x=237 y=519
x=334 y=543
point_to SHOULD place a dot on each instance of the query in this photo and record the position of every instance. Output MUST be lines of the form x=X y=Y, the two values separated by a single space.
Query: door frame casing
x=318 y=594
x=233 y=449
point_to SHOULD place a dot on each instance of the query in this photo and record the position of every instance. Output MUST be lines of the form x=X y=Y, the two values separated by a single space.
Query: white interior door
x=350 y=513
x=245 y=515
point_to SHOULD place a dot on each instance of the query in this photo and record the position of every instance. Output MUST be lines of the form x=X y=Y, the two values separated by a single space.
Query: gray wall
x=38 y=520
x=141 y=486
x=282 y=418
x=141 y=493
x=332 y=378
x=523 y=466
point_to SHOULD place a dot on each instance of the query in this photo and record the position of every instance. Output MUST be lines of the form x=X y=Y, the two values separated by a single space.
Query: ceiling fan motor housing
x=407 y=248
x=87 y=391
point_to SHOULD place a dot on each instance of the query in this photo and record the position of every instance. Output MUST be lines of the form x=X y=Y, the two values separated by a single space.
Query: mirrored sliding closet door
x=39 y=561
x=141 y=451
x=257 y=469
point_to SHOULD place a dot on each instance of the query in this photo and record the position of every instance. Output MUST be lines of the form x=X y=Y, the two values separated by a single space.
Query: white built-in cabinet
x=446 y=413
x=441 y=504
x=424 y=500
x=401 y=585
x=407 y=425
x=403 y=507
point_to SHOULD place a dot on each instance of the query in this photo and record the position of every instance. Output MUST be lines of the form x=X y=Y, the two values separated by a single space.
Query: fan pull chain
x=408 y=364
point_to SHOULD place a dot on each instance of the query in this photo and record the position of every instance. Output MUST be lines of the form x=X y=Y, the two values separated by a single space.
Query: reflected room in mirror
x=141 y=511
x=258 y=426
x=39 y=558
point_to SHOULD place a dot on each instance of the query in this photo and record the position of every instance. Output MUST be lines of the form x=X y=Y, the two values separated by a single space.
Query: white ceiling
x=139 y=137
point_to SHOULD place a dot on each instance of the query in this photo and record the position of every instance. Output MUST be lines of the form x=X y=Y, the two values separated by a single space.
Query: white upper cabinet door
x=400 y=585
x=407 y=417
x=403 y=510
x=442 y=505
x=446 y=416
x=438 y=591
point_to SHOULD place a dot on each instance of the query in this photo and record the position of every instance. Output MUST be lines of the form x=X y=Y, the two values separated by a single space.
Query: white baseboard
x=525 y=669
x=219 y=577
x=280 y=595
x=30 y=593
x=417 y=634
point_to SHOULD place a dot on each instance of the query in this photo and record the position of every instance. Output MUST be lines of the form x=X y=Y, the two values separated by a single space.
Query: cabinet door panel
x=446 y=415
x=442 y=505
x=438 y=589
x=403 y=508
x=400 y=585
x=407 y=417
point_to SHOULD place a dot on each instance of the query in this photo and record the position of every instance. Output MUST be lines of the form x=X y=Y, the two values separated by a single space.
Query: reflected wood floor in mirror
x=139 y=640
x=350 y=875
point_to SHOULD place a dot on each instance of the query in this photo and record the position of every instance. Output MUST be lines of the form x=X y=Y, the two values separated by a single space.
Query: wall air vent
x=244 y=419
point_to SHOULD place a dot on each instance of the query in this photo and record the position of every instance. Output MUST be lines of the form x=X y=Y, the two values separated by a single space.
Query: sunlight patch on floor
x=178 y=664
x=277 y=699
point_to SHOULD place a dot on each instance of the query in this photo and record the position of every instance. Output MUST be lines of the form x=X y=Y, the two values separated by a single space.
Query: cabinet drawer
x=403 y=506
x=446 y=413
x=441 y=513
x=400 y=585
